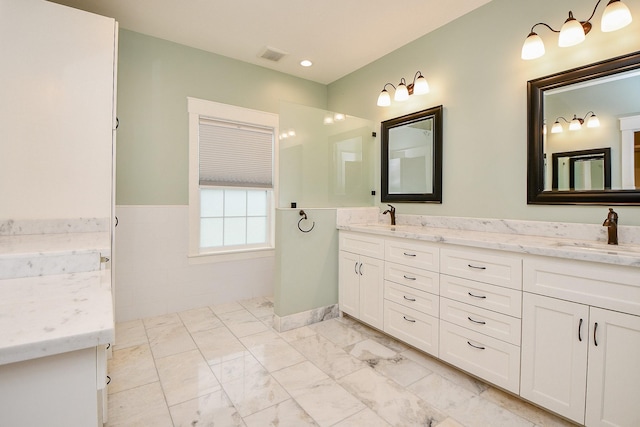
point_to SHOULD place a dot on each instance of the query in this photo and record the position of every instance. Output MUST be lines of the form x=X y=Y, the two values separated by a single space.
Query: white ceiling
x=339 y=36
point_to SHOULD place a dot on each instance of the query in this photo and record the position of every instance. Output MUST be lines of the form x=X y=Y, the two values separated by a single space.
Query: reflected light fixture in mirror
x=616 y=16
x=577 y=122
x=419 y=86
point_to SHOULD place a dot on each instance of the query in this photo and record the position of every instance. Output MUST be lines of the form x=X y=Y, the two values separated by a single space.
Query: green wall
x=474 y=70
x=155 y=77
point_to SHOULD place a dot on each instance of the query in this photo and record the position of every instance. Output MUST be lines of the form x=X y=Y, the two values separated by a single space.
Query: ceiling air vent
x=272 y=54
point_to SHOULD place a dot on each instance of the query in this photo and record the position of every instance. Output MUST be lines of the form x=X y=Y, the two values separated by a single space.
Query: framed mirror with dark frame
x=610 y=88
x=411 y=169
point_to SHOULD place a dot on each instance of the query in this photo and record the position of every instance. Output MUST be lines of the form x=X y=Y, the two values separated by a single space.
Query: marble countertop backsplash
x=586 y=242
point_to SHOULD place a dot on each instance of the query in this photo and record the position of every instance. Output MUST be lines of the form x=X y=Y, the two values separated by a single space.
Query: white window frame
x=224 y=112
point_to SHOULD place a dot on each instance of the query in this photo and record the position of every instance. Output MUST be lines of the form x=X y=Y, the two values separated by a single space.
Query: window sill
x=240 y=254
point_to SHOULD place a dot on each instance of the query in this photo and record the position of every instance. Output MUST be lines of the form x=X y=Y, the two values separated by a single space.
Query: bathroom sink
x=624 y=250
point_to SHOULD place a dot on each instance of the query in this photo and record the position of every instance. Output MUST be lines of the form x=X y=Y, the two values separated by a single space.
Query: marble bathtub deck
x=225 y=366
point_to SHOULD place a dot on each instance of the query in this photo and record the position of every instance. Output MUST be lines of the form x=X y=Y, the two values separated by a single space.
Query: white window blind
x=234 y=154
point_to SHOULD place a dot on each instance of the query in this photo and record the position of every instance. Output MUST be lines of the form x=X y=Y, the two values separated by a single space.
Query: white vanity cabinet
x=361 y=277
x=581 y=340
x=480 y=309
x=411 y=287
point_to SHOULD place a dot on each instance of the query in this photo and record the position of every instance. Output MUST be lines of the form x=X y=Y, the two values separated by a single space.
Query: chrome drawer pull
x=479 y=322
x=476 y=296
x=408 y=320
x=475 y=346
x=409 y=278
x=476 y=267
x=406 y=254
x=410 y=299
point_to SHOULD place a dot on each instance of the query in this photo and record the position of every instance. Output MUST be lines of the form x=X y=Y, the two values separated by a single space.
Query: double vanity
x=552 y=319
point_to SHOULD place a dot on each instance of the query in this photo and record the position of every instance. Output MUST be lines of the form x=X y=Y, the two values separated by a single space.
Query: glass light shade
x=402 y=93
x=328 y=120
x=616 y=15
x=421 y=86
x=544 y=129
x=384 y=100
x=556 y=128
x=338 y=117
x=571 y=33
x=593 y=122
x=533 y=47
x=291 y=132
x=575 y=124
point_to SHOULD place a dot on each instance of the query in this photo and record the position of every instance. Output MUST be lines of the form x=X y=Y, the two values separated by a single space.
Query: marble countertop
x=39 y=244
x=47 y=315
x=593 y=251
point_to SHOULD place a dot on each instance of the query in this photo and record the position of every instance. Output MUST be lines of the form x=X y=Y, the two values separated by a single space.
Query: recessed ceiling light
x=306 y=63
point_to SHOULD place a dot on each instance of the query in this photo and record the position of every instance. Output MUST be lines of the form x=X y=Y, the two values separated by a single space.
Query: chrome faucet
x=392 y=212
x=612 y=227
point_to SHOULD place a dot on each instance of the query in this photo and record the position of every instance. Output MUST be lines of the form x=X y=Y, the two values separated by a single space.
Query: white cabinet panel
x=423 y=280
x=413 y=254
x=497 y=268
x=349 y=288
x=613 y=377
x=418 y=300
x=496 y=298
x=411 y=326
x=362 y=244
x=371 y=272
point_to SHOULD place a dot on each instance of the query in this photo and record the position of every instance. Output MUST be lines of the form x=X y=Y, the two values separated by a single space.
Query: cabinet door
x=371 y=272
x=614 y=369
x=554 y=354
x=349 y=283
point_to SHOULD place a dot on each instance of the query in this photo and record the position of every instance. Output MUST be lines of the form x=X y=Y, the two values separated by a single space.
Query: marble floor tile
x=200 y=319
x=242 y=323
x=271 y=351
x=327 y=402
x=169 y=339
x=440 y=392
x=479 y=412
x=284 y=414
x=326 y=355
x=237 y=368
x=226 y=307
x=185 y=376
x=389 y=363
x=366 y=417
x=164 y=320
x=524 y=409
x=224 y=365
x=389 y=400
x=298 y=333
x=338 y=332
x=139 y=407
x=131 y=367
x=259 y=307
x=219 y=345
x=251 y=394
x=130 y=334
x=296 y=379
x=210 y=410
x=452 y=374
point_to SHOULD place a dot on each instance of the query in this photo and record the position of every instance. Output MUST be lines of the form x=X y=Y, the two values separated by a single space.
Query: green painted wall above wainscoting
x=155 y=77
x=474 y=69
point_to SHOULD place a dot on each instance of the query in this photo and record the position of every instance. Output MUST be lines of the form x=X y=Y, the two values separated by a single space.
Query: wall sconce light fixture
x=419 y=86
x=576 y=123
x=616 y=16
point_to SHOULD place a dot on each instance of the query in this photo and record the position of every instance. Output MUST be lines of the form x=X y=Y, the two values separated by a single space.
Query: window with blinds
x=235 y=176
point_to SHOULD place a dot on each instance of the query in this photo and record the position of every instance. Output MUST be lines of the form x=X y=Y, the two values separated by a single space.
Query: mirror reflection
x=584 y=134
x=412 y=157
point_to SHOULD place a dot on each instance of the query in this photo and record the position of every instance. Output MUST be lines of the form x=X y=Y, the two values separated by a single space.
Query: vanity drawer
x=487 y=322
x=427 y=281
x=423 y=302
x=411 y=326
x=362 y=244
x=488 y=358
x=412 y=253
x=497 y=268
x=496 y=298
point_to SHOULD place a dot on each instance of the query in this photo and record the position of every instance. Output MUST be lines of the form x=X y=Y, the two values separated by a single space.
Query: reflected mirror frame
x=436 y=195
x=535 y=117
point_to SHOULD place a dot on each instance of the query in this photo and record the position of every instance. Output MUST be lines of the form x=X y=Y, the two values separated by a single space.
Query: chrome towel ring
x=304 y=218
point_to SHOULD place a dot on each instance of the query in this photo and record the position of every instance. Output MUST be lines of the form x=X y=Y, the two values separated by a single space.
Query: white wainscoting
x=153 y=275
